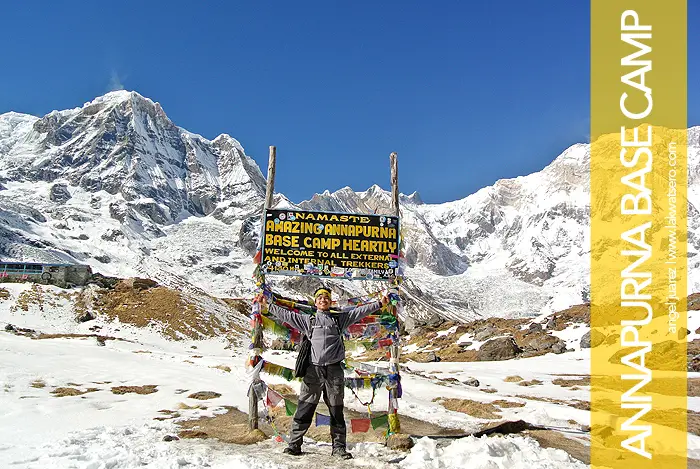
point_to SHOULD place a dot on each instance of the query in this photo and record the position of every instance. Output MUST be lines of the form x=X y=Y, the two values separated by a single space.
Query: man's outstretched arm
x=356 y=314
x=299 y=321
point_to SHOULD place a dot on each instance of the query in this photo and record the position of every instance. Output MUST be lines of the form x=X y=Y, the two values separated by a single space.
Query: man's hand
x=385 y=300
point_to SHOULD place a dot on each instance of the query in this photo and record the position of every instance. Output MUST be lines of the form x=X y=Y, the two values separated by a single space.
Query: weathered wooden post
x=393 y=158
x=257 y=333
x=394 y=349
x=270 y=177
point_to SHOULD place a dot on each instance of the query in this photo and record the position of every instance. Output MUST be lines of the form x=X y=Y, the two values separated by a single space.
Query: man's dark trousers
x=329 y=380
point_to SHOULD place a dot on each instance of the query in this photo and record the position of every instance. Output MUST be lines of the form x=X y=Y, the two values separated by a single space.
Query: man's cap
x=322 y=291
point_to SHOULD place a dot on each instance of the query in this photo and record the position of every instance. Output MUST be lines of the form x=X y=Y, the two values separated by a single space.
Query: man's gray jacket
x=327 y=345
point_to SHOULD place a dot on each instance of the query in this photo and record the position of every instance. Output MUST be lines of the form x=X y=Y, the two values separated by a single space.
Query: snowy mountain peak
x=374 y=189
x=15 y=116
x=115 y=96
x=413 y=199
x=124 y=144
x=121 y=96
x=226 y=139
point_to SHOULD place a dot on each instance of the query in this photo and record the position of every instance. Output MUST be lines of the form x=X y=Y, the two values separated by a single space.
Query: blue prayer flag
x=322 y=419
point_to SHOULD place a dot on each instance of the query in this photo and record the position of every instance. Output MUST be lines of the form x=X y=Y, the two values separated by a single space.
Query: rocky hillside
x=497 y=339
x=107 y=305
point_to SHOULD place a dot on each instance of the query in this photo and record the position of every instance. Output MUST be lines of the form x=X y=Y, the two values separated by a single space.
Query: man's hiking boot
x=292 y=450
x=341 y=453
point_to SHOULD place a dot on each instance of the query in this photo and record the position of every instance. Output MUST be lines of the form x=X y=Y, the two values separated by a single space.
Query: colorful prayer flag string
x=376 y=331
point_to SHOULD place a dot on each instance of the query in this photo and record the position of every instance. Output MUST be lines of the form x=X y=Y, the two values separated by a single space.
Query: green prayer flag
x=281 y=330
x=381 y=421
x=390 y=318
x=291 y=407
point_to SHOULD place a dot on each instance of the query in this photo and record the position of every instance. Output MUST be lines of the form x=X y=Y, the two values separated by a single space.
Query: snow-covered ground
x=100 y=429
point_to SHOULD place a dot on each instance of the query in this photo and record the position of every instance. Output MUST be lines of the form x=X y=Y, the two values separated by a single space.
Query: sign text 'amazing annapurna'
x=360 y=247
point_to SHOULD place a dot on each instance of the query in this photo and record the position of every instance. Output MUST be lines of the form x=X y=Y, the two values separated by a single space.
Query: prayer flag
x=273 y=398
x=359 y=425
x=385 y=342
x=380 y=421
x=322 y=419
x=290 y=407
x=394 y=425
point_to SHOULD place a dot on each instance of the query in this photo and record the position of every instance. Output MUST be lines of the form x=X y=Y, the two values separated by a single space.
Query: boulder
x=502 y=348
x=144 y=283
x=204 y=395
x=694 y=364
x=592 y=338
x=409 y=324
x=253 y=437
x=432 y=357
x=471 y=382
x=435 y=321
x=559 y=347
x=535 y=327
x=535 y=343
x=611 y=339
x=399 y=442
x=103 y=281
x=86 y=316
x=485 y=332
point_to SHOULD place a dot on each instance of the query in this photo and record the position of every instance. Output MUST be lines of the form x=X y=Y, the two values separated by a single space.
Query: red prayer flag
x=273 y=398
x=385 y=342
x=360 y=425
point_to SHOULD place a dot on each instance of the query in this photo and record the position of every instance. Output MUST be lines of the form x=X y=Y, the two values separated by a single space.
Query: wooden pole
x=271 y=177
x=394 y=349
x=393 y=158
x=257 y=333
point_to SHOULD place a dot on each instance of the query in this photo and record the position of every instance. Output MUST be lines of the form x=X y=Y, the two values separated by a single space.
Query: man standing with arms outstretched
x=325 y=373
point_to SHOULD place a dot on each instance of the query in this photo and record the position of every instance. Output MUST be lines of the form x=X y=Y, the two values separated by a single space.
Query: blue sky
x=466 y=92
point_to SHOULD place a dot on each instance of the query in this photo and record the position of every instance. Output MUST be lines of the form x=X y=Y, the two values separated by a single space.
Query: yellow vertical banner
x=638 y=234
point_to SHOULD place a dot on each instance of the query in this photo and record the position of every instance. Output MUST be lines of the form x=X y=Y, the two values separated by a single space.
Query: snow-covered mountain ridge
x=116 y=184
